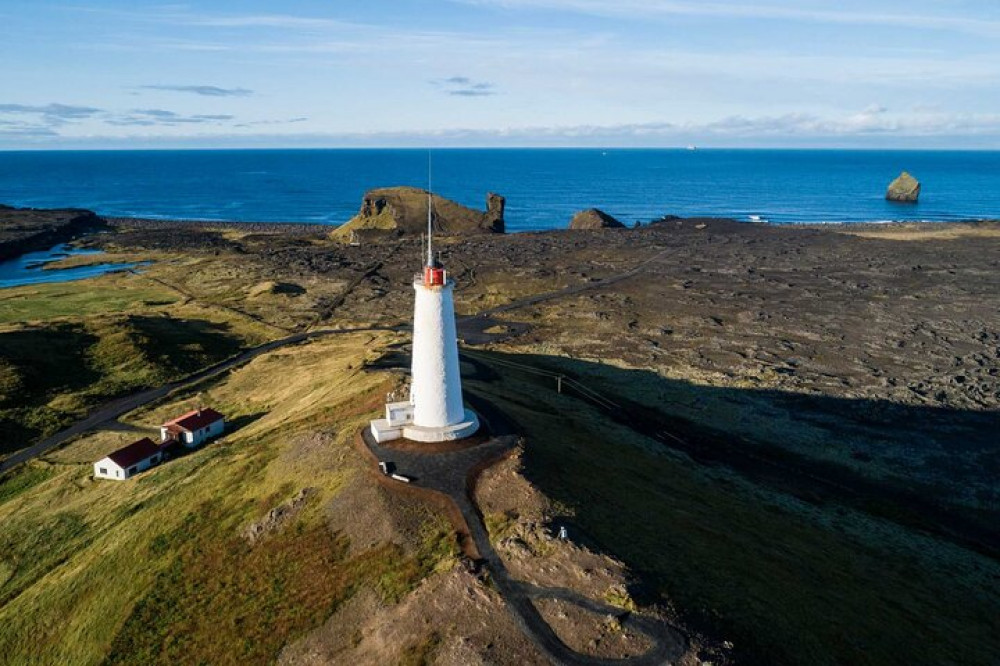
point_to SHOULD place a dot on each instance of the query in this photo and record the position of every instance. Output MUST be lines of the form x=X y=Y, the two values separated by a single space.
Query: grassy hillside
x=53 y=374
x=66 y=348
x=787 y=581
x=157 y=570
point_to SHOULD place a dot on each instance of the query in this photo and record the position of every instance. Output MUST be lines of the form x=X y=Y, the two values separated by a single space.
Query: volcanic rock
x=399 y=211
x=905 y=189
x=29 y=229
x=592 y=218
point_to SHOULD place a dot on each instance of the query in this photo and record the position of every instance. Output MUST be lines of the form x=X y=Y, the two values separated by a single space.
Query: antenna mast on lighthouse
x=430 y=204
x=435 y=411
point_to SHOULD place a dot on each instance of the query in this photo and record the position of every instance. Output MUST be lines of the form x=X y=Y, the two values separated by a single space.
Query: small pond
x=30 y=268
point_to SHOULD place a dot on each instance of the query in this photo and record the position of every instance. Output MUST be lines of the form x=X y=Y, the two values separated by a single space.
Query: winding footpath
x=453 y=474
x=447 y=473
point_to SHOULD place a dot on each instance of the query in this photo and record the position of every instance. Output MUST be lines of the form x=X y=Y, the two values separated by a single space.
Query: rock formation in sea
x=592 y=218
x=399 y=211
x=905 y=189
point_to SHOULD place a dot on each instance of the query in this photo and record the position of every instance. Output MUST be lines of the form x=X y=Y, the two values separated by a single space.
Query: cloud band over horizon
x=505 y=72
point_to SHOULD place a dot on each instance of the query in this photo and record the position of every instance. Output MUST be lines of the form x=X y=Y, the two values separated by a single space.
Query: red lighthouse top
x=434 y=274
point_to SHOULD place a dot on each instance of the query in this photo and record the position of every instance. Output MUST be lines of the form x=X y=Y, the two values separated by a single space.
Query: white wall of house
x=192 y=439
x=106 y=468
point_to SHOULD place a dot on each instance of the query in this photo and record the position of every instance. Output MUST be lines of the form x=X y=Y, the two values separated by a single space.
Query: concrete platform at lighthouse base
x=384 y=431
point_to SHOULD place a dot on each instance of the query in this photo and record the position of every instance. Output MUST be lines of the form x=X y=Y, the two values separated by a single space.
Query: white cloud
x=463 y=86
x=872 y=127
x=204 y=91
x=646 y=9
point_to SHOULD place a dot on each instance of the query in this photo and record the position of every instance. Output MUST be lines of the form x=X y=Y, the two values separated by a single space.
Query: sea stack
x=905 y=189
x=390 y=212
x=435 y=411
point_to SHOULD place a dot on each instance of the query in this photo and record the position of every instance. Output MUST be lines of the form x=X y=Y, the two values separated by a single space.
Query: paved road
x=122 y=406
x=449 y=473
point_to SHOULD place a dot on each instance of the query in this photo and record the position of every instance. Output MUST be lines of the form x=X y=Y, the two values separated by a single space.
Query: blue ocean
x=543 y=187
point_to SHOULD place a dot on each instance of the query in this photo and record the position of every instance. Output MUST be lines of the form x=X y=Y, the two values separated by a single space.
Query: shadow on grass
x=35 y=365
x=868 y=431
x=54 y=374
x=795 y=559
x=176 y=450
x=240 y=422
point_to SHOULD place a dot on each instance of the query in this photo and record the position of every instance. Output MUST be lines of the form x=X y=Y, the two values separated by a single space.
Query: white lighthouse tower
x=435 y=411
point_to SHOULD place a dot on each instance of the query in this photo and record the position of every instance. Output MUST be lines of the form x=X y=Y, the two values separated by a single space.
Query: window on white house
x=103 y=470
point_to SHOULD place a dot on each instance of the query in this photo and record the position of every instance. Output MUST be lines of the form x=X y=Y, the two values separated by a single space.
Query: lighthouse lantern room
x=435 y=411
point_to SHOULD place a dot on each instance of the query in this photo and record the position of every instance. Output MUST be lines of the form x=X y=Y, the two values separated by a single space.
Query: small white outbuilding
x=193 y=428
x=129 y=461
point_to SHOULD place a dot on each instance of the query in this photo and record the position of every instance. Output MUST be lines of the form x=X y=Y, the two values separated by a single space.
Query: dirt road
x=452 y=473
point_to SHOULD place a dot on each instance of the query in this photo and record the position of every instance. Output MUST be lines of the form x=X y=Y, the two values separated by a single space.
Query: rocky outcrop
x=31 y=229
x=905 y=189
x=277 y=517
x=592 y=218
x=402 y=211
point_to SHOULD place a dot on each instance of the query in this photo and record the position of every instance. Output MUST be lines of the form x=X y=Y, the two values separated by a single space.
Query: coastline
x=291 y=228
x=304 y=227
x=543 y=188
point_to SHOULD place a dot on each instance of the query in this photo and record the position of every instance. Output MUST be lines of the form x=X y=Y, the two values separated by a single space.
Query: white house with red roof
x=129 y=461
x=193 y=428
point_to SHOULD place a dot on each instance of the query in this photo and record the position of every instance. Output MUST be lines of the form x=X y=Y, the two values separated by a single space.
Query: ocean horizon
x=543 y=187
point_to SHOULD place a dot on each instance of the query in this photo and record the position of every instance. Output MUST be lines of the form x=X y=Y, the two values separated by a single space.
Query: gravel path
x=451 y=473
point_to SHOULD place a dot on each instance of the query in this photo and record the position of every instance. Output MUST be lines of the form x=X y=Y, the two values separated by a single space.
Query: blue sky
x=248 y=73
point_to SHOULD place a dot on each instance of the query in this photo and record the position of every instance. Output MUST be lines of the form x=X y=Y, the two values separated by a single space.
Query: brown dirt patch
x=590 y=633
x=368 y=514
x=452 y=619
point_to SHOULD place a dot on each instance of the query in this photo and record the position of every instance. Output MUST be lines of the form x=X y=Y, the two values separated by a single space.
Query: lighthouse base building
x=435 y=411
x=398 y=422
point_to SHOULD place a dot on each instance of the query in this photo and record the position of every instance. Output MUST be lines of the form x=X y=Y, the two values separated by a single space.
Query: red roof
x=135 y=452
x=195 y=420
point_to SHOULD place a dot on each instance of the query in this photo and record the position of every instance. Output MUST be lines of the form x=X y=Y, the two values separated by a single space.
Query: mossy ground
x=104 y=295
x=66 y=348
x=787 y=581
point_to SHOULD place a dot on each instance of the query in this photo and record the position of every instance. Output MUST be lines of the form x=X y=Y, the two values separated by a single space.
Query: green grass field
x=53 y=374
x=104 y=295
x=155 y=569
x=66 y=348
